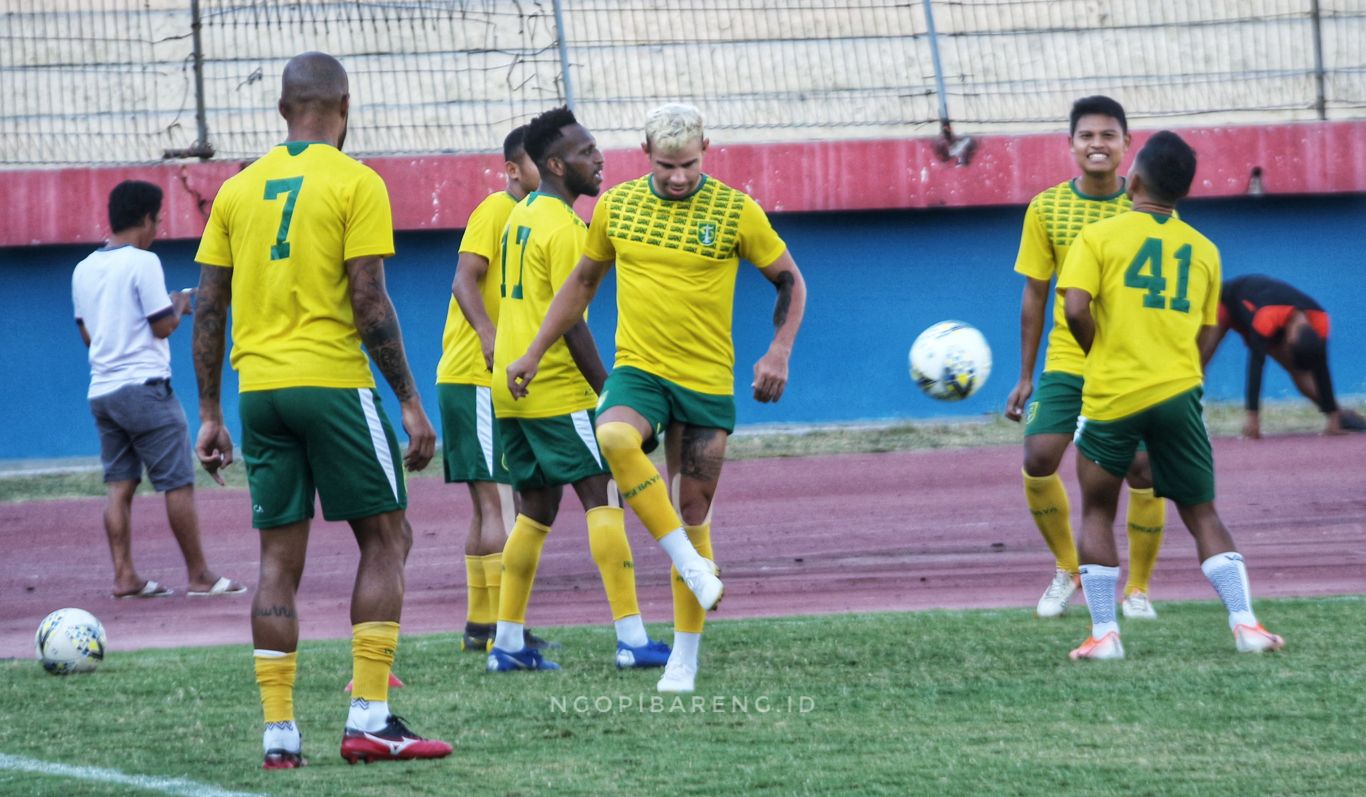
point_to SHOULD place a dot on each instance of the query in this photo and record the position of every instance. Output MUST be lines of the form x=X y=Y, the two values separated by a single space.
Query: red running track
x=868 y=532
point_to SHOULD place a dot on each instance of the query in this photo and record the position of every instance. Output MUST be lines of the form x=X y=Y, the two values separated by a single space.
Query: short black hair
x=1307 y=350
x=543 y=131
x=130 y=202
x=513 y=145
x=1167 y=164
x=1097 y=105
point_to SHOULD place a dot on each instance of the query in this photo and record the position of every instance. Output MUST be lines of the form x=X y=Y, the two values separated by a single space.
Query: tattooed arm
x=214 y=445
x=770 y=373
x=377 y=323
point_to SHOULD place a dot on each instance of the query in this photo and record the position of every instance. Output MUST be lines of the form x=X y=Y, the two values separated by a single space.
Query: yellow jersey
x=676 y=267
x=541 y=245
x=1154 y=282
x=1052 y=221
x=462 y=356
x=286 y=225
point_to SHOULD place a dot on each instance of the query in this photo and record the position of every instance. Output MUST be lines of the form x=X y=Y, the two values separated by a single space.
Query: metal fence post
x=1320 y=100
x=938 y=65
x=564 y=55
x=200 y=148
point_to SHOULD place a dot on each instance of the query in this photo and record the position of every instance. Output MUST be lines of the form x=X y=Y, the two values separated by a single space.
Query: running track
x=918 y=530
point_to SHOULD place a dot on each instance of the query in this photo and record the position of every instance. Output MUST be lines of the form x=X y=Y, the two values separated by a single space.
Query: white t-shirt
x=115 y=291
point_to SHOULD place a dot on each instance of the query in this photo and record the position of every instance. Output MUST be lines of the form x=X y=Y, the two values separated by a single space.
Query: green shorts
x=548 y=452
x=662 y=402
x=1056 y=404
x=471 y=448
x=335 y=439
x=1178 y=447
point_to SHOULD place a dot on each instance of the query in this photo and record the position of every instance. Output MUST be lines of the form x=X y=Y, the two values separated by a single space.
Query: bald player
x=295 y=245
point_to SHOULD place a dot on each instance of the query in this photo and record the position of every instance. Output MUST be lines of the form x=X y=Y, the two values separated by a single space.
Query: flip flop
x=223 y=586
x=150 y=589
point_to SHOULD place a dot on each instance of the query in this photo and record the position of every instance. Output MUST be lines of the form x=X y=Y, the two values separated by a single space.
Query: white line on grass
x=189 y=788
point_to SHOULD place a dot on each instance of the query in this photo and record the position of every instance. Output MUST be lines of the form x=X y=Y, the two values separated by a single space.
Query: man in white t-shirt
x=124 y=315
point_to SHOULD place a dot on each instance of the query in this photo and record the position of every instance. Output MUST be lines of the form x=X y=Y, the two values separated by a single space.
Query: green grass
x=981 y=702
x=1224 y=420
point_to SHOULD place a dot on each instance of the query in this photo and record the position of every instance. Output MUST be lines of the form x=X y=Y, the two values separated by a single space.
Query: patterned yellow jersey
x=541 y=244
x=286 y=225
x=1052 y=222
x=462 y=356
x=1154 y=282
x=676 y=266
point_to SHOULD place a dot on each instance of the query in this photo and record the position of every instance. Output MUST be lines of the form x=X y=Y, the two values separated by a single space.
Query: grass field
x=1224 y=420
x=972 y=703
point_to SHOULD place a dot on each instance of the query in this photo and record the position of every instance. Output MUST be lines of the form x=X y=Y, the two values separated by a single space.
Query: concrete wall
x=876 y=280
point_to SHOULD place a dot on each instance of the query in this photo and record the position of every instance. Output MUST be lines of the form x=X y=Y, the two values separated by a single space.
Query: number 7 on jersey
x=290 y=187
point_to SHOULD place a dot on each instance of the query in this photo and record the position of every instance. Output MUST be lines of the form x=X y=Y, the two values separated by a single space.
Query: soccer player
x=1275 y=318
x=676 y=236
x=1141 y=299
x=469 y=435
x=548 y=437
x=295 y=244
x=1099 y=138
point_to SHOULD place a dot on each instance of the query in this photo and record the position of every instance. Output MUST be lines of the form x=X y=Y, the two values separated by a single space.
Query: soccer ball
x=950 y=361
x=70 y=640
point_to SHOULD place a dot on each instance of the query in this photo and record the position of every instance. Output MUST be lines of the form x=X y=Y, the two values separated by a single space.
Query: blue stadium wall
x=875 y=279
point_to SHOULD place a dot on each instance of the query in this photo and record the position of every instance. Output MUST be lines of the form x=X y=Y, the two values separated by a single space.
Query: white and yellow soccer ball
x=950 y=361
x=68 y=641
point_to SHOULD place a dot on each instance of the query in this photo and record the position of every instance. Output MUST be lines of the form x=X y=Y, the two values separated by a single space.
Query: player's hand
x=214 y=448
x=520 y=374
x=1252 y=426
x=770 y=376
x=421 y=435
x=486 y=343
x=1019 y=399
x=183 y=301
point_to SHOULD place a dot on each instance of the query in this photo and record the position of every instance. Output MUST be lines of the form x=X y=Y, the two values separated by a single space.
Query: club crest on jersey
x=706 y=233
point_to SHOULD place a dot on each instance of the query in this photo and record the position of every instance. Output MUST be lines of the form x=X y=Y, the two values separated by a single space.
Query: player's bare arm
x=1033 y=306
x=584 y=350
x=465 y=288
x=377 y=323
x=214 y=445
x=1080 y=322
x=770 y=373
x=85 y=333
x=565 y=310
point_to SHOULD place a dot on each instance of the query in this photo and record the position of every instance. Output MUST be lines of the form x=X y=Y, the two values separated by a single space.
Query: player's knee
x=1039 y=464
x=617 y=438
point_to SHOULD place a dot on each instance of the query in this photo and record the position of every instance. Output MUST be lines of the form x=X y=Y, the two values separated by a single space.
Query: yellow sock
x=480 y=610
x=1053 y=515
x=521 y=557
x=372 y=657
x=638 y=479
x=612 y=553
x=275 y=677
x=493 y=578
x=689 y=616
x=1147 y=519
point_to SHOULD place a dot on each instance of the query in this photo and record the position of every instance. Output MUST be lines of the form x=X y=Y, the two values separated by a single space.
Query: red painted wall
x=56 y=206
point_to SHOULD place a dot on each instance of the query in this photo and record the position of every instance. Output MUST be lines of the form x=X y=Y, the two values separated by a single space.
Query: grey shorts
x=144 y=426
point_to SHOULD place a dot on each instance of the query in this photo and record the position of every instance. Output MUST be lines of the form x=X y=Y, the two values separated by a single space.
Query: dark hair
x=1307 y=350
x=1167 y=165
x=130 y=202
x=513 y=145
x=1097 y=106
x=544 y=131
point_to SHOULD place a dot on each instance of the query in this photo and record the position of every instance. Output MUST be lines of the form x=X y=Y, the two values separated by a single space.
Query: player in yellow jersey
x=548 y=437
x=1099 y=136
x=676 y=236
x=473 y=452
x=295 y=244
x=1142 y=300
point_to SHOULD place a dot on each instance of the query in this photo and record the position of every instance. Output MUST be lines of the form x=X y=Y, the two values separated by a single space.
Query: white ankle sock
x=367 y=715
x=282 y=736
x=680 y=550
x=631 y=631
x=685 y=648
x=509 y=637
x=1098 y=584
x=1228 y=575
